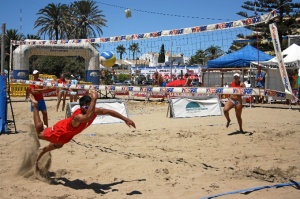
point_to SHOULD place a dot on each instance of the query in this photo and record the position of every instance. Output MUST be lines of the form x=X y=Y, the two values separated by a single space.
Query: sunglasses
x=85 y=107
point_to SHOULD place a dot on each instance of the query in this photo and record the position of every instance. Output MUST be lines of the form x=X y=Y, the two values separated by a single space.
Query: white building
x=152 y=58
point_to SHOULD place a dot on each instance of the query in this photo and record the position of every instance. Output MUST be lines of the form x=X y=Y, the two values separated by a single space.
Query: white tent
x=291 y=59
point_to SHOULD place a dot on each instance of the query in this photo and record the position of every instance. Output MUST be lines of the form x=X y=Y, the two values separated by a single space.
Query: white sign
x=198 y=107
x=116 y=105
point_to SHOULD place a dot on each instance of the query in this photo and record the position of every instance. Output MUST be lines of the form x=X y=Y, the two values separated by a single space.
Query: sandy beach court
x=162 y=158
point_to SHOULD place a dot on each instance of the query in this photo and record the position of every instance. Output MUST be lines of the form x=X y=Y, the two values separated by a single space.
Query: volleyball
x=107 y=59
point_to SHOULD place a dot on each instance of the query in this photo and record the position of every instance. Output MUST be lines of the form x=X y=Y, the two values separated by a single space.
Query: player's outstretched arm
x=102 y=111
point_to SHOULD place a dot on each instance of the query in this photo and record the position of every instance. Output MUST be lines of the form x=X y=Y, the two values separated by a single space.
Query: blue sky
x=142 y=20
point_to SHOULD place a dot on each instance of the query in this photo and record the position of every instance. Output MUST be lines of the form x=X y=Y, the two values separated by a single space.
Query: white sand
x=161 y=158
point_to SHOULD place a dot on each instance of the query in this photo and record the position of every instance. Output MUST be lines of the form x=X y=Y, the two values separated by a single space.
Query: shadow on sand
x=241 y=133
x=96 y=187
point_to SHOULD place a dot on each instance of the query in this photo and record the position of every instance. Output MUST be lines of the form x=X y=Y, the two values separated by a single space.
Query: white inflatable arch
x=22 y=54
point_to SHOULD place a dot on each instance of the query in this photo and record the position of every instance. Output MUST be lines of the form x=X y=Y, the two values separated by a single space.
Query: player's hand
x=129 y=122
x=94 y=94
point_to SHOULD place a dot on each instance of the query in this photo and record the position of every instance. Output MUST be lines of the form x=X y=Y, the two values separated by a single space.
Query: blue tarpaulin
x=3 y=105
x=240 y=58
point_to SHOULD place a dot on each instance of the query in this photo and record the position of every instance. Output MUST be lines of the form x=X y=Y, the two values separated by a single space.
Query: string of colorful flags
x=150 y=89
x=175 y=32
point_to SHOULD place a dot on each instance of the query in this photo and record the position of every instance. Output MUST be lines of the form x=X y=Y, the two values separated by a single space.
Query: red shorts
x=55 y=136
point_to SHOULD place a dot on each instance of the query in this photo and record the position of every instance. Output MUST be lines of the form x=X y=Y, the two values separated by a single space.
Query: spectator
x=113 y=76
x=188 y=80
x=103 y=77
x=158 y=80
x=260 y=83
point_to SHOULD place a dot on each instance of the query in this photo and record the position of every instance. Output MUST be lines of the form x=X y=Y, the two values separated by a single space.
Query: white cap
x=236 y=74
x=35 y=72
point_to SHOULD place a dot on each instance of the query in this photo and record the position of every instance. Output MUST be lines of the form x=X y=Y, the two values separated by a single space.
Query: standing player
x=37 y=92
x=236 y=102
x=74 y=92
x=61 y=92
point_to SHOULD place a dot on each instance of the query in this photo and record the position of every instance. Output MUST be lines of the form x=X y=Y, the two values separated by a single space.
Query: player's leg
x=76 y=97
x=238 y=113
x=64 y=100
x=71 y=96
x=42 y=107
x=228 y=105
x=36 y=116
x=59 y=95
x=48 y=148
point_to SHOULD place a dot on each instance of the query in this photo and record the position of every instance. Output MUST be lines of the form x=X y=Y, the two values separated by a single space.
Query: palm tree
x=287 y=14
x=121 y=50
x=33 y=37
x=51 y=21
x=199 y=57
x=134 y=48
x=213 y=52
x=11 y=34
x=87 y=18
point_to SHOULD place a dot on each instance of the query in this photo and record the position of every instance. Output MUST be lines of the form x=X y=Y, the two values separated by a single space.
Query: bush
x=123 y=77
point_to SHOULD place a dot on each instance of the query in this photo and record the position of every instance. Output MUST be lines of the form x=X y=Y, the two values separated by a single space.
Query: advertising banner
x=52 y=92
x=148 y=95
x=195 y=107
x=282 y=69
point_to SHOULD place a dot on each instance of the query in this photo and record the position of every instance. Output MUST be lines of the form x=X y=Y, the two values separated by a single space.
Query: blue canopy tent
x=240 y=58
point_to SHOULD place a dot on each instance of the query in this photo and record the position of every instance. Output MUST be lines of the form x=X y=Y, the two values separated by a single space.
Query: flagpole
x=171 y=60
x=2 y=48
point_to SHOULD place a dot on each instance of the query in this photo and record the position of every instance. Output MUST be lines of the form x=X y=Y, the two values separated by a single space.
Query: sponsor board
x=116 y=105
x=195 y=107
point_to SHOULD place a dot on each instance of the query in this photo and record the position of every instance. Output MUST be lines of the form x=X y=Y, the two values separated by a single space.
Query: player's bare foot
x=33 y=101
x=228 y=123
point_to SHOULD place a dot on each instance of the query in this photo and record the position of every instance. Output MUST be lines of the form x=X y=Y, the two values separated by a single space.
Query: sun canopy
x=291 y=59
x=240 y=58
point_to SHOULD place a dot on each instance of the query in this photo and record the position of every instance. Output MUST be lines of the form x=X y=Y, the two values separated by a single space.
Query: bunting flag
x=176 y=32
x=150 y=89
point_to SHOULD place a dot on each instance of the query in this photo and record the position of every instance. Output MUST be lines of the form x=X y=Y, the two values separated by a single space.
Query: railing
x=17 y=90
x=44 y=76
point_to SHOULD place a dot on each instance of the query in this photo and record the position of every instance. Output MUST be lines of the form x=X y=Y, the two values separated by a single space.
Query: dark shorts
x=41 y=106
